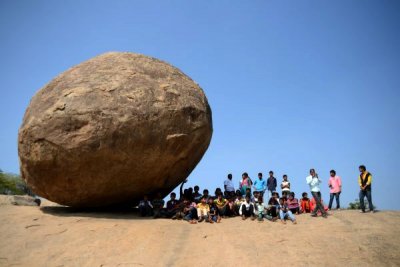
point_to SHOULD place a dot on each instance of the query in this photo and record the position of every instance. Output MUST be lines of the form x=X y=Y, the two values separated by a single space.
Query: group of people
x=256 y=199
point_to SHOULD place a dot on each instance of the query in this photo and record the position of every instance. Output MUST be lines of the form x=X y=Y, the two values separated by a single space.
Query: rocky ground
x=59 y=236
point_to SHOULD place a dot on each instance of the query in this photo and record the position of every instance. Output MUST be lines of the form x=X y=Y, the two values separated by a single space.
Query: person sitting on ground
x=273 y=207
x=305 y=205
x=206 y=194
x=145 y=207
x=285 y=213
x=260 y=208
x=247 y=209
x=190 y=211
x=213 y=214
x=196 y=195
x=172 y=206
x=238 y=202
x=285 y=185
x=158 y=205
x=203 y=210
x=254 y=199
x=221 y=204
x=293 y=203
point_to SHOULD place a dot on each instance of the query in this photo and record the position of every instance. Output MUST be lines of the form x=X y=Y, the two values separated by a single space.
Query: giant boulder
x=112 y=129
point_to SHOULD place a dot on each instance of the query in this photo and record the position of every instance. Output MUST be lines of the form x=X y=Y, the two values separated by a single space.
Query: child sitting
x=247 y=209
x=145 y=207
x=221 y=204
x=203 y=210
x=293 y=203
x=285 y=213
x=172 y=206
x=158 y=205
x=273 y=207
x=213 y=214
x=305 y=205
x=260 y=207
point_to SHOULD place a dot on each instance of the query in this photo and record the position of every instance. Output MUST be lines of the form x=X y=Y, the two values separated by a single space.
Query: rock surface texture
x=112 y=129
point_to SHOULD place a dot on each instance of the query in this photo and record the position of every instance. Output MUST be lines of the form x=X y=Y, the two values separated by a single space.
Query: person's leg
x=338 y=200
x=290 y=216
x=369 y=198
x=269 y=196
x=315 y=196
x=281 y=215
x=362 y=195
x=331 y=195
x=319 y=204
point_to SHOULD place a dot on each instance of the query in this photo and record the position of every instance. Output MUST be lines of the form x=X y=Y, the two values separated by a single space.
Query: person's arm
x=181 y=190
x=359 y=182
x=275 y=183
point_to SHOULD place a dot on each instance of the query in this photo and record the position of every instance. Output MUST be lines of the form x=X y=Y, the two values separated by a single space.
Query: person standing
x=271 y=184
x=335 y=185
x=285 y=186
x=365 y=180
x=229 y=187
x=245 y=183
x=259 y=185
x=313 y=181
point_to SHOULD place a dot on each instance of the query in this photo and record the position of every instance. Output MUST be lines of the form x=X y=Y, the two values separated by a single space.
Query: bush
x=12 y=184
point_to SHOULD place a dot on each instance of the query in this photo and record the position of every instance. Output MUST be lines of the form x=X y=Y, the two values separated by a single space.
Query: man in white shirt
x=313 y=181
x=229 y=187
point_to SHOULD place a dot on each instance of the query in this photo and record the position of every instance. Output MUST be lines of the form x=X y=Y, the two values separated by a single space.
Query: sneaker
x=362 y=211
x=314 y=215
x=325 y=216
x=372 y=211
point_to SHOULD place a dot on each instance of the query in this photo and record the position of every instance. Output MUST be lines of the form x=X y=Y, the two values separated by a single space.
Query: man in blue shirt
x=259 y=185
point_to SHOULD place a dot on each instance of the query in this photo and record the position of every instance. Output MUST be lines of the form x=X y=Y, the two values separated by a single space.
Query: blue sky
x=293 y=85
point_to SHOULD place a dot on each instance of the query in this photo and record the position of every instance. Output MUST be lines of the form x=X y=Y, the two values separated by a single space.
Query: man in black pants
x=365 y=180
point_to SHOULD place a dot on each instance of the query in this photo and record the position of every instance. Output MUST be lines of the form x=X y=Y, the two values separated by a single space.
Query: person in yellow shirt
x=365 y=180
x=203 y=210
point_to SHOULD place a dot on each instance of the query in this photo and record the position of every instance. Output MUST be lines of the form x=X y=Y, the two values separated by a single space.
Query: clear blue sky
x=292 y=84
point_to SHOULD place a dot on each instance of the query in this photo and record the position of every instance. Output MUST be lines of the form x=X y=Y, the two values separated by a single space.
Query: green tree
x=12 y=184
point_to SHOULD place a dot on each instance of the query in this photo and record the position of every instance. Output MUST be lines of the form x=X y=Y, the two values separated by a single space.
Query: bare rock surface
x=111 y=129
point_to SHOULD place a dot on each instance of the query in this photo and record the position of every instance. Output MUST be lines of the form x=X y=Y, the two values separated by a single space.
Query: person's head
x=256 y=194
x=218 y=191
x=238 y=193
x=271 y=174
x=203 y=200
x=362 y=168
x=248 y=191
x=196 y=188
x=284 y=194
x=172 y=196
x=275 y=195
x=190 y=190
x=205 y=192
x=230 y=176
x=210 y=200
x=291 y=195
x=260 y=175
x=247 y=198
x=281 y=200
x=260 y=199
x=285 y=177
x=312 y=172
x=219 y=196
x=304 y=195
x=333 y=173
x=245 y=175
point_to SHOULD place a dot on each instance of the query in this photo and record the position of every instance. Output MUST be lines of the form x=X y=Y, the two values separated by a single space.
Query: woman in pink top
x=335 y=184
